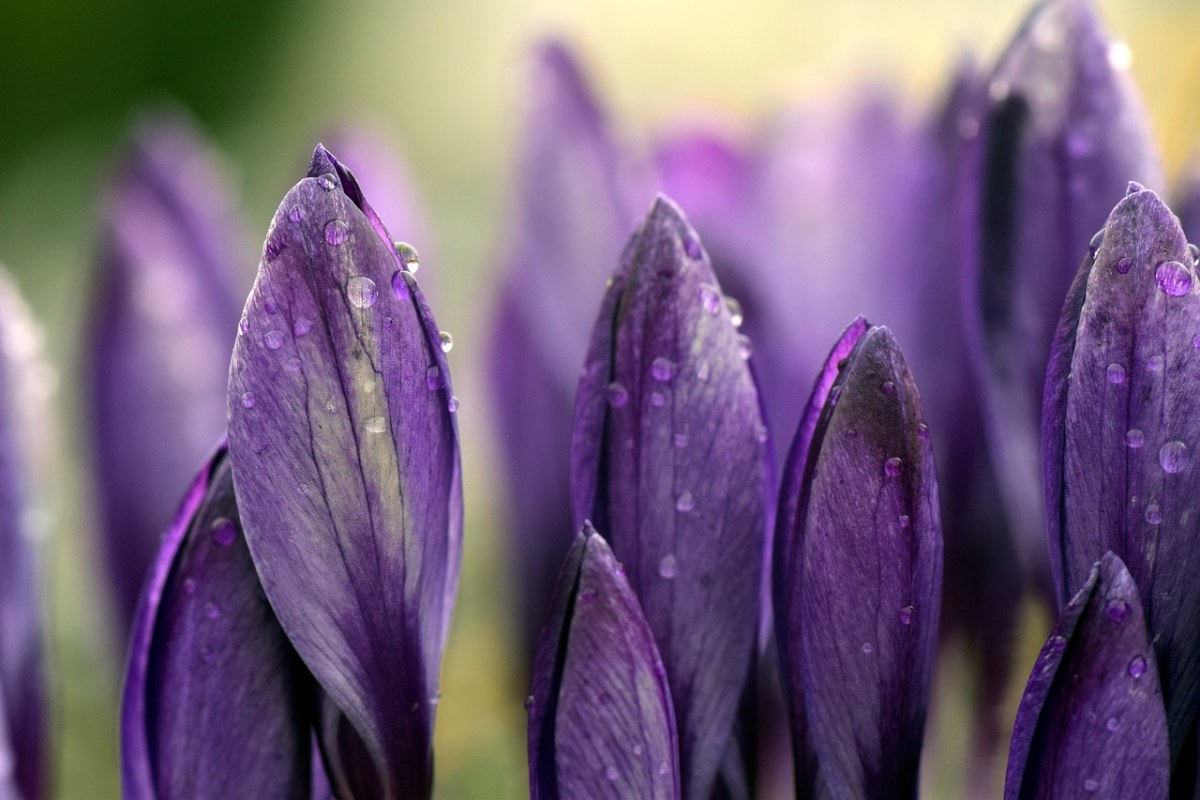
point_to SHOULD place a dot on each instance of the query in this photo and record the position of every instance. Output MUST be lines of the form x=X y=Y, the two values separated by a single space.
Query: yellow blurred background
x=444 y=81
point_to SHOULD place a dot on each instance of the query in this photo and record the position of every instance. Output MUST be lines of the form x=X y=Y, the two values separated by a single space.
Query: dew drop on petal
x=618 y=395
x=1076 y=139
x=530 y=704
x=1091 y=785
x=1117 y=610
x=1124 y=265
x=361 y=291
x=1155 y=363
x=292 y=364
x=1173 y=457
x=302 y=326
x=922 y=431
x=248 y=400
x=376 y=425
x=296 y=213
x=336 y=232
x=1137 y=667
x=1134 y=438
x=243 y=326
x=211 y=611
x=400 y=285
x=1153 y=513
x=868 y=648
x=691 y=246
x=1116 y=374
x=1194 y=254
x=611 y=773
x=710 y=298
x=433 y=378
x=906 y=615
x=273 y=340
x=1058 y=643
x=680 y=440
x=667 y=567
x=1113 y=724
x=452 y=404
x=189 y=585
x=735 y=311
x=662 y=368
x=744 y=348
x=888 y=388
x=223 y=531
x=905 y=520
x=702 y=370
x=1173 y=278
x=891 y=467
x=685 y=502
x=1196 y=341
x=327 y=182
x=408 y=256
x=445 y=341
x=658 y=399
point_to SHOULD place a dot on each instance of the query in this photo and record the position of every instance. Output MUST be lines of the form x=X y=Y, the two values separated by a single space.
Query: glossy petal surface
x=1122 y=399
x=570 y=222
x=1091 y=723
x=172 y=266
x=859 y=587
x=345 y=453
x=600 y=718
x=216 y=702
x=1062 y=134
x=669 y=461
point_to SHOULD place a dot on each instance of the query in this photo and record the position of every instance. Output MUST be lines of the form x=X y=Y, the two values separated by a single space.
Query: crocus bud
x=1119 y=433
x=600 y=718
x=344 y=444
x=669 y=461
x=858 y=574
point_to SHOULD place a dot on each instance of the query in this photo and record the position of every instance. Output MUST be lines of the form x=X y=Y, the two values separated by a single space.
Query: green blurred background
x=444 y=81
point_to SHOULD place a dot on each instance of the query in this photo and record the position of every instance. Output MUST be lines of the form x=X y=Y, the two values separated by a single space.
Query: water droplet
x=1091 y=785
x=868 y=648
x=851 y=433
x=400 y=285
x=618 y=395
x=637 y=750
x=1113 y=724
x=735 y=311
x=376 y=425
x=336 y=232
x=361 y=291
x=1124 y=265
x=906 y=615
x=702 y=370
x=1196 y=341
x=891 y=467
x=905 y=520
x=452 y=404
x=587 y=597
x=292 y=364
x=658 y=399
x=710 y=298
x=691 y=246
x=433 y=378
x=270 y=306
x=685 y=502
x=663 y=769
x=243 y=326
x=302 y=326
x=330 y=406
x=530 y=704
x=1194 y=253
x=1137 y=667
x=1134 y=438
x=1153 y=513
x=223 y=531
x=888 y=388
x=189 y=585
x=680 y=440
x=611 y=773
x=1098 y=236
x=327 y=182
x=663 y=369
x=1173 y=457
x=667 y=567
x=761 y=434
x=1173 y=278
x=1117 y=610
x=408 y=256
x=248 y=400
x=1116 y=374
x=211 y=611
x=296 y=213
x=1057 y=643
x=273 y=340
x=744 y=349
x=1155 y=363
x=1120 y=56
x=445 y=341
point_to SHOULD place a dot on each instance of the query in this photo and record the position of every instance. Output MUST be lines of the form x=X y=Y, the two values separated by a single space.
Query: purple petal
x=27 y=383
x=345 y=449
x=669 y=460
x=216 y=703
x=571 y=221
x=1091 y=722
x=601 y=723
x=164 y=320
x=1061 y=136
x=1120 y=435
x=862 y=558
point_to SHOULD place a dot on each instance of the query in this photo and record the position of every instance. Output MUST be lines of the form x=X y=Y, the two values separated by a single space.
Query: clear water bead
x=906 y=615
x=1173 y=278
x=408 y=256
x=685 y=502
x=691 y=246
x=658 y=399
x=400 y=285
x=888 y=388
x=1137 y=667
x=445 y=341
x=248 y=400
x=735 y=311
x=327 y=182
x=1194 y=254
x=663 y=369
x=1116 y=374
x=296 y=213
x=667 y=567
x=680 y=440
x=336 y=232
x=452 y=404
x=868 y=648
x=361 y=291
x=1117 y=610
x=243 y=326
x=302 y=326
x=223 y=531
x=273 y=340
x=1124 y=265
x=1134 y=438
x=433 y=378
x=1091 y=785
x=618 y=395
x=376 y=425
x=1113 y=724
x=744 y=347
x=1173 y=457
x=211 y=611
x=710 y=298
x=1153 y=513
x=891 y=467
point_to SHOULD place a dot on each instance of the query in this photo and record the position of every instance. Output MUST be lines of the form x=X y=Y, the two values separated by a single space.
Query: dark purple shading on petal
x=345 y=450
x=1187 y=203
x=25 y=386
x=1091 y=723
x=860 y=579
x=216 y=703
x=570 y=222
x=169 y=282
x=1062 y=134
x=601 y=724
x=1120 y=437
x=669 y=460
